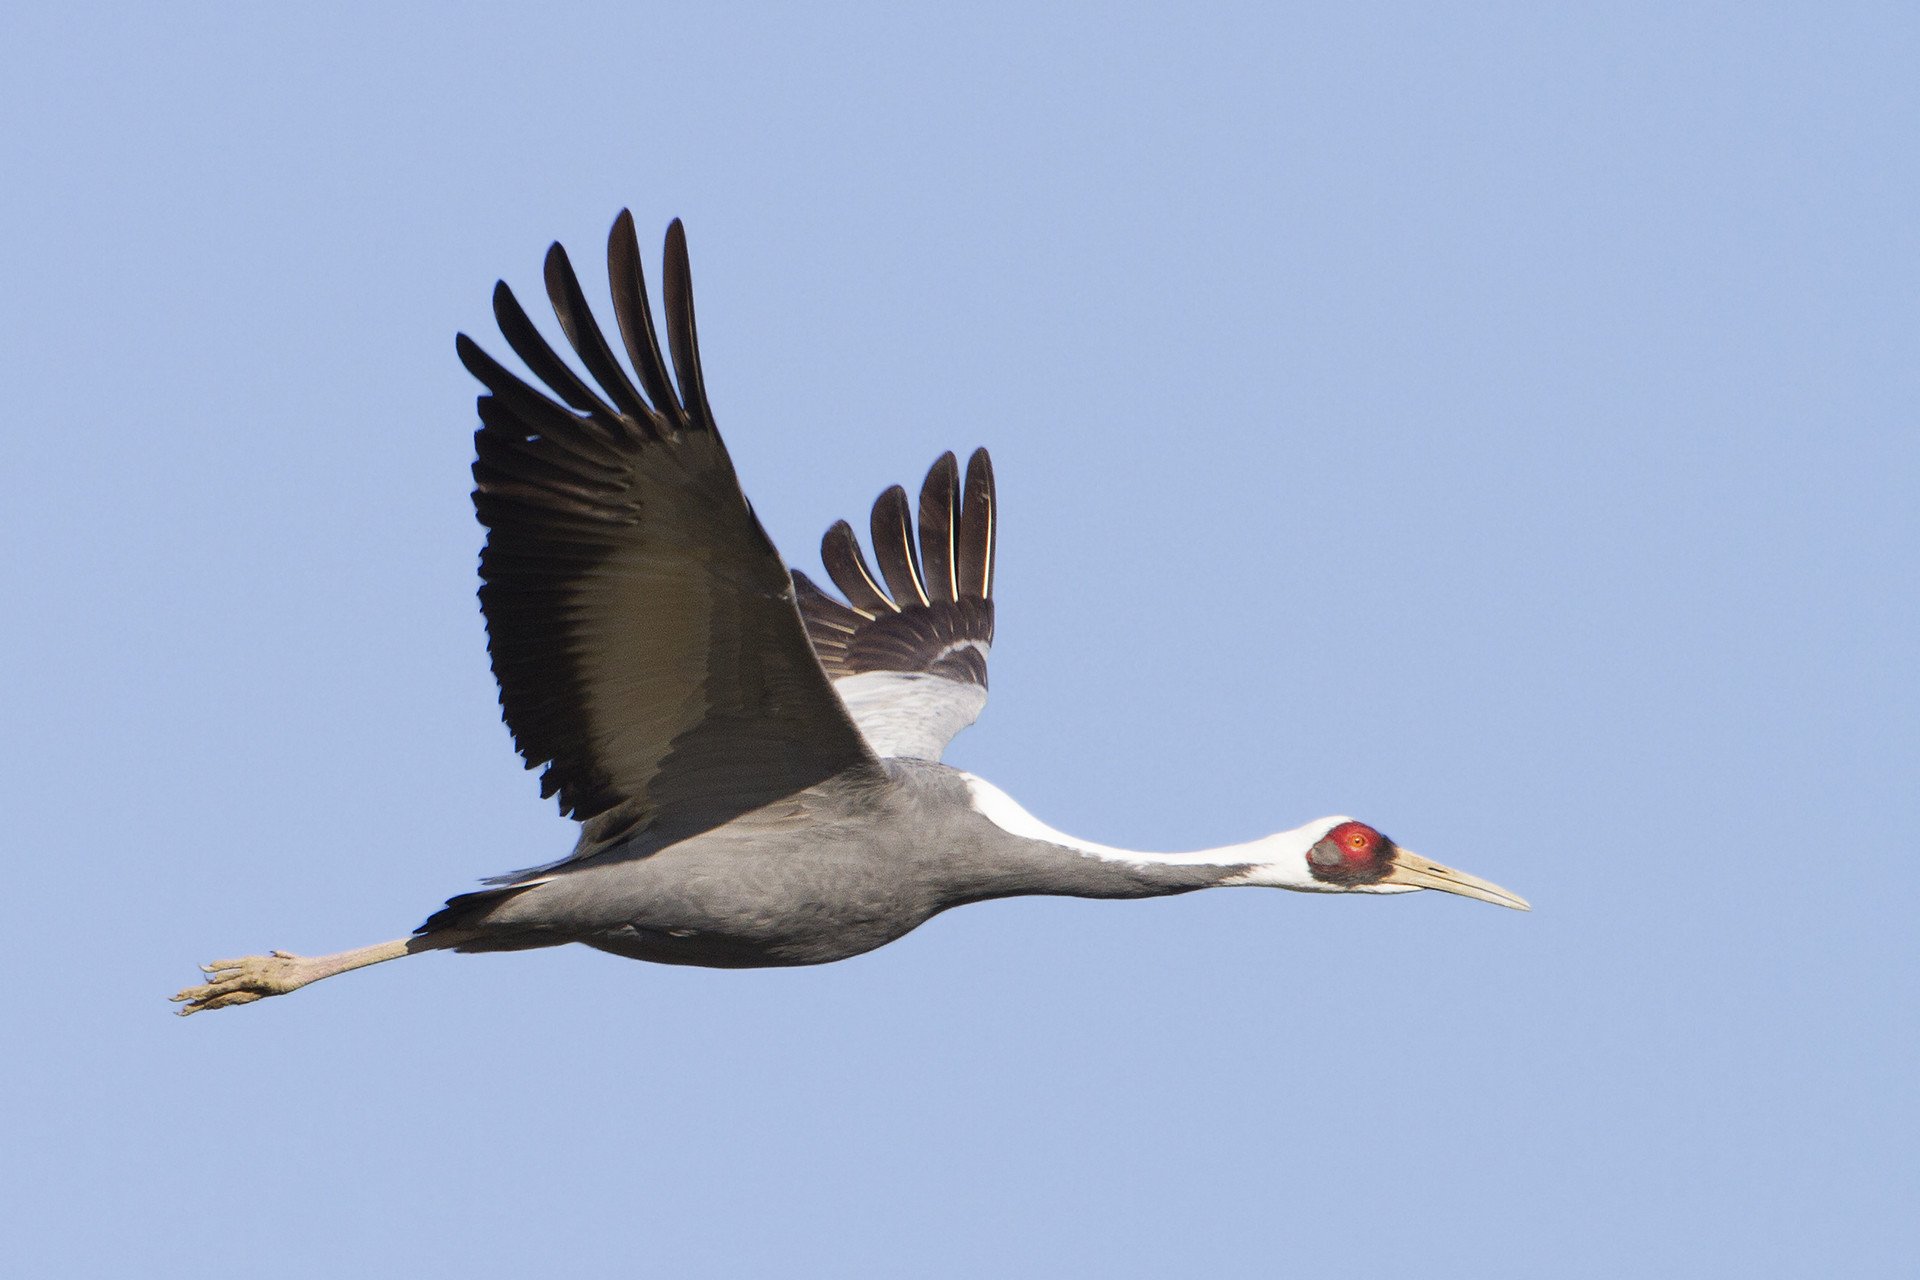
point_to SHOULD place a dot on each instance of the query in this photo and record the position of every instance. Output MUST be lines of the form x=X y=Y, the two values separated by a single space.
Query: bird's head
x=1342 y=855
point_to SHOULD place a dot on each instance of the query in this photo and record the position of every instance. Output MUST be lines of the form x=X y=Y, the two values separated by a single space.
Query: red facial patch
x=1356 y=841
x=1350 y=854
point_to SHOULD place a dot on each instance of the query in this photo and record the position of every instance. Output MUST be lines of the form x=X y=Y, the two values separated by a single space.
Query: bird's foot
x=245 y=980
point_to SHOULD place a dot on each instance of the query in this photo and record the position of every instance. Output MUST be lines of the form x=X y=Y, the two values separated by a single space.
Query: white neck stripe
x=1277 y=860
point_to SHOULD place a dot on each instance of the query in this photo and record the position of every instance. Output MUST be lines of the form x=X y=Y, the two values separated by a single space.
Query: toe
x=226 y=998
x=244 y=980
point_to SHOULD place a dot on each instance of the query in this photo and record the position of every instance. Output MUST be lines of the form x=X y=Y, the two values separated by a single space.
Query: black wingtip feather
x=633 y=312
x=847 y=566
x=569 y=303
x=546 y=365
x=682 y=333
x=975 y=532
x=939 y=499
x=891 y=528
x=472 y=358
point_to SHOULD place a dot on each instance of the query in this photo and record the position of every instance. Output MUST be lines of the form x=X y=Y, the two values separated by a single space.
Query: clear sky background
x=1496 y=421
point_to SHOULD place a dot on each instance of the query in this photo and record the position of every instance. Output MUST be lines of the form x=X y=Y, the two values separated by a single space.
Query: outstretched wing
x=643 y=630
x=907 y=650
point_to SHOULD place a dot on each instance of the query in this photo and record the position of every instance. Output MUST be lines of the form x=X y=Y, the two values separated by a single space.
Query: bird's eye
x=1356 y=840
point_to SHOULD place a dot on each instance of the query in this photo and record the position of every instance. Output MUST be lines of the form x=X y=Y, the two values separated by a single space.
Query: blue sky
x=1495 y=421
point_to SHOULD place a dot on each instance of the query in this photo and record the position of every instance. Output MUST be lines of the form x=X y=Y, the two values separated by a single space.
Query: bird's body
x=831 y=872
x=754 y=762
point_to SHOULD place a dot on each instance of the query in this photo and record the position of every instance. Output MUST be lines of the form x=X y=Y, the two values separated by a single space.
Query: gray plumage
x=753 y=762
x=831 y=872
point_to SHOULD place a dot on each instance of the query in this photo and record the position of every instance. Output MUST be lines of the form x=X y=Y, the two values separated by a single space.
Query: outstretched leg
x=253 y=978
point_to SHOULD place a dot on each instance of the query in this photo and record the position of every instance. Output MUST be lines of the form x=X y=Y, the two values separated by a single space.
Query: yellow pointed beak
x=1411 y=869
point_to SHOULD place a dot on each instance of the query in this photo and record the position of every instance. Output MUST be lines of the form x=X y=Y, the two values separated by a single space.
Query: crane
x=753 y=760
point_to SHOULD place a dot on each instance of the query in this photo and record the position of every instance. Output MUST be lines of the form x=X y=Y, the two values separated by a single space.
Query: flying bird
x=754 y=761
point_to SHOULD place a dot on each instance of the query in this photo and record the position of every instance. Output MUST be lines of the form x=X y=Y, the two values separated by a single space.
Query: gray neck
x=969 y=841
x=986 y=846
x=995 y=863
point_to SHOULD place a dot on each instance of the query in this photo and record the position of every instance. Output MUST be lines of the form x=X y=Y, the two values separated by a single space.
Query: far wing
x=907 y=649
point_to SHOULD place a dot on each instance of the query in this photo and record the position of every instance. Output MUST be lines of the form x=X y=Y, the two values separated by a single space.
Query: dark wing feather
x=939 y=499
x=583 y=334
x=892 y=530
x=974 y=529
x=650 y=654
x=635 y=314
x=909 y=655
x=847 y=566
x=680 y=332
x=539 y=357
